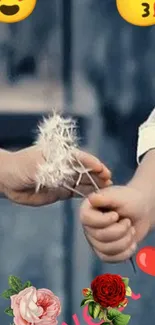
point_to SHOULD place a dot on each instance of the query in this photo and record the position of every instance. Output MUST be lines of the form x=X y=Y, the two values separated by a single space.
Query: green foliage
x=126 y=282
x=101 y=315
x=96 y=310
x=9 y=311
x=91 y=308
x=15 y=283
x=86 y=301
x=27 y=284
x=117 y=317
x=8 y=293
x=112 y=313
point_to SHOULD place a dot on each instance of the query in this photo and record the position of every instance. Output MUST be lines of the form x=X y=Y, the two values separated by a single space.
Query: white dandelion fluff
x=57 y=139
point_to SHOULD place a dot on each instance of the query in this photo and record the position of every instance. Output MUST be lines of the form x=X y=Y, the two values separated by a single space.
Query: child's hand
x=114 y=234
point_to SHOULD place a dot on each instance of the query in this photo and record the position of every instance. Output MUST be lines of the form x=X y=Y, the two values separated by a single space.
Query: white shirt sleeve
x=146 y=136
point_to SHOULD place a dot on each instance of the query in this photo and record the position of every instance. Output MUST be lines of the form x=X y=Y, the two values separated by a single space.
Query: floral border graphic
x=30 y=305
x=107 y=298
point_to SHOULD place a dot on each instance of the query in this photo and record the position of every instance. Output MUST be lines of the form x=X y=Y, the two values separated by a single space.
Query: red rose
x=108 y=290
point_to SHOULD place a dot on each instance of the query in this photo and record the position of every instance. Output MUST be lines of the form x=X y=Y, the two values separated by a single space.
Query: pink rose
x=33 y=307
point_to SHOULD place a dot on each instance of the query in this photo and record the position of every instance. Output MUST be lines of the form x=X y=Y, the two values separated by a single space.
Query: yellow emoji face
x=12 y=11
x=137 y=12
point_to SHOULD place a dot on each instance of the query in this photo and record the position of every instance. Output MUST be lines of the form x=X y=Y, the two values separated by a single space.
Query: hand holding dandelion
x=18 y=175
x=58 y=141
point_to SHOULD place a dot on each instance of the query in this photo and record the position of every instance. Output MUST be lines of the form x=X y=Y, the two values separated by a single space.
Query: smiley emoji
x=12 y=11
x=137 y=12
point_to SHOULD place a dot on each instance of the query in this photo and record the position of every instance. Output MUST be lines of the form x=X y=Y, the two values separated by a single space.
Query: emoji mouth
x=9 y=10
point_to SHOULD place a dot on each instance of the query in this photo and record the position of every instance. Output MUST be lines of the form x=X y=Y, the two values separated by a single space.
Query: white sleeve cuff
x=146 y=136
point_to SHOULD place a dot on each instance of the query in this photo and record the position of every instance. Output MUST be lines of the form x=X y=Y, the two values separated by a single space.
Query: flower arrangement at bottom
x=107 y=298
x=31 y=306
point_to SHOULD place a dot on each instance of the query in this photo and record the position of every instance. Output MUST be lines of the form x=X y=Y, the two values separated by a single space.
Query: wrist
x=144 y=181
x=144 y=177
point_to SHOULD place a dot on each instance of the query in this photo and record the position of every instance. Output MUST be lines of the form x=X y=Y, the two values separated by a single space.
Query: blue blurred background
x=79 y=56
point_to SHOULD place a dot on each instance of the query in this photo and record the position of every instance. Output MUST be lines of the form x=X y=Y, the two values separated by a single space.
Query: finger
x=112 y=248
x=118 y=257
x=105 y=174
x=108 y=183
x=108 y=197
x=112 y=232
x=88 y=189
x=98 y=179
x=90 y=161
x=97 y=219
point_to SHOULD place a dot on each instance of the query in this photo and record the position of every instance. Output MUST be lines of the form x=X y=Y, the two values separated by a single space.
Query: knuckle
x=125 y=226
x=129 y=239
x=114 y=214
x=113 y=217
x=99 y=234
x=126 y=242
x=129 y=252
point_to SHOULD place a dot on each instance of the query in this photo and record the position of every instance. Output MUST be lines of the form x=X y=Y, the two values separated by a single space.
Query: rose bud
x=86 y=292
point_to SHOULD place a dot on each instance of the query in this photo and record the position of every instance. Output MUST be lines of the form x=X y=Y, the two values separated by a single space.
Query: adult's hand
x=18 y=171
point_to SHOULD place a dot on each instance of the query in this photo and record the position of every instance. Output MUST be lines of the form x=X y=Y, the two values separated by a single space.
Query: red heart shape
x=145 y=260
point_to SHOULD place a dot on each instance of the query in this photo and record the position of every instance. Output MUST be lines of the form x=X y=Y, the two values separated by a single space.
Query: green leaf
x=9 y=311
x=112 y=313
x=105 y=323
x=121 y=319
x=8 y=293
x=126 y=281
x=117 y=317
x=15 y=283
x=96 y=310
x=27 y=284
x=86 y=301
x=91 y=309
x=128 y=292
x=101 y=315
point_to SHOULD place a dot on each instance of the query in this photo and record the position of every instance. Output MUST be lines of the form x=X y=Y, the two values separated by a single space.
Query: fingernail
x=115 y=217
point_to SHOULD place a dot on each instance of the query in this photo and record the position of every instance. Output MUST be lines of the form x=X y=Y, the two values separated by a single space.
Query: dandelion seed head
x=57 y=140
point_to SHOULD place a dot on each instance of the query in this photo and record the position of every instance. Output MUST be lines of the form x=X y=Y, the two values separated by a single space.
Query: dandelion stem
x=133 y=265
x=89 y=176
x=74 y=190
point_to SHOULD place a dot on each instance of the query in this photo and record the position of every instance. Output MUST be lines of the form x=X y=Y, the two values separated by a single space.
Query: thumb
x=108 y=198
